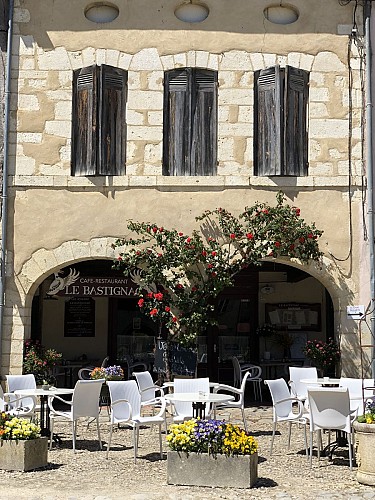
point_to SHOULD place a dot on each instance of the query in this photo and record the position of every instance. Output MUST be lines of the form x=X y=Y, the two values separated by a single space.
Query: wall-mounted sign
x=355 y=312
x=79 y=318
x=92 y=286
x=294 y=316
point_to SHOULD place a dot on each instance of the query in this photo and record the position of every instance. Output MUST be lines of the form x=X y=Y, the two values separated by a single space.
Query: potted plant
x=364 y=427
x=40 y=361
x=211 y=453
x=21 y=446
x=114 y=372
x=324 y=355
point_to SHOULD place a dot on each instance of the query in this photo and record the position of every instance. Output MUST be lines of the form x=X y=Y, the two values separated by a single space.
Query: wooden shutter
x=267 y=121
x=204 y=121
x=295 y=122
x=84 y=121
x=176 y=122
x=112 y=122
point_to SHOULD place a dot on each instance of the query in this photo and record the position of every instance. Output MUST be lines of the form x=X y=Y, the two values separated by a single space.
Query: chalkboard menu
x=79 y=320
x=183 y=360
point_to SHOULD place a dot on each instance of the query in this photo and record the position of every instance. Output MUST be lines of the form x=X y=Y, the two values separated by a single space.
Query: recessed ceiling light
x=101 y=12
x=192 y=12
x=281 y=14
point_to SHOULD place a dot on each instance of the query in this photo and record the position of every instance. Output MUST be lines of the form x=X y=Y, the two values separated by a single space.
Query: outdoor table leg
x=199 y=410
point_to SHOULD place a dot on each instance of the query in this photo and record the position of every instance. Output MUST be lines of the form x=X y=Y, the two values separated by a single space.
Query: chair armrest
x=224 y=387
x=13 y=397
x=163 y=404
x=123 y=401
x=52 y=398
x=295 y=400
x=155 y=387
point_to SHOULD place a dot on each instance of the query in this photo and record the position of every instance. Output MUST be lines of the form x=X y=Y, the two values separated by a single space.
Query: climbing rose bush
x=180 y=275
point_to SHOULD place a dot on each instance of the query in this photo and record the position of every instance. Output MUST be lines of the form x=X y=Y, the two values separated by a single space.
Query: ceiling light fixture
x=281 y=13
x=192 y=12
x=101 y=12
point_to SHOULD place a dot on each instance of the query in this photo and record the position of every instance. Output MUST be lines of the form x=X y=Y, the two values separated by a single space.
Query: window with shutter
x=98 y=121
x=190 y=122
x=280 y=122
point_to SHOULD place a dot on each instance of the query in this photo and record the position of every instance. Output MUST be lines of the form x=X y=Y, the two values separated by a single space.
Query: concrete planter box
x=201 y=469
x=23 y=455
x=365 y=446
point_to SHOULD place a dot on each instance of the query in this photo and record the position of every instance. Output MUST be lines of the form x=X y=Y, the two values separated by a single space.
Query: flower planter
x=365 y=446
x=202 y=469
x=23 y=455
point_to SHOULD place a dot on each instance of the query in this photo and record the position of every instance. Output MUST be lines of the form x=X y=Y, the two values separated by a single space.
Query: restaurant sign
x=91 y=286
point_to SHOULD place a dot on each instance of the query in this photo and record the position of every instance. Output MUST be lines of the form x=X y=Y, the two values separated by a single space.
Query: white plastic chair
x=282 y=404
x=133 y=365
x=239 y=393
x=84 y=404
x=330 y=410
x=14 y=405
x=255 y=376
x=184 y=410
x=147 y=388
x=359 y=391
x=19 y=382
x=298 y=373
x=126 y=409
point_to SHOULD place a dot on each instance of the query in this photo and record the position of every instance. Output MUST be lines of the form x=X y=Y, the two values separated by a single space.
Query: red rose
x=277 y=244
x=138 y=252
x=249 y=236
x=119 y=257
x=161 y=229
x=158 y=296
x=180 y=234
x=232 y=236
x=210 y=266
x=141 y=302
x=160 y=255
x=265 y=211
x=179 y=286
x=150 y=295
x=155 y=229
x=291 y=247
x=302 y=239
x=167 y=309
x=213 y=274
x=174 y=319
x=214 y=254
x=310 y=235
x=153 y=312
x=188 y=240
x=204 y=253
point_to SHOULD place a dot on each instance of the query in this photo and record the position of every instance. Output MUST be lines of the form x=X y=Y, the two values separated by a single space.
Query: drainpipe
x=370 y=177
x=4 y=198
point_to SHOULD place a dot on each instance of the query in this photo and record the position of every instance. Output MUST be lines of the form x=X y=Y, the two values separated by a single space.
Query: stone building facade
x=57 y=219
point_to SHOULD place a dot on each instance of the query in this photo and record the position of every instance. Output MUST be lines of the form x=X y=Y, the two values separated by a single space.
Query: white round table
x=199 y=400
x=324 y=381
x=44 y=394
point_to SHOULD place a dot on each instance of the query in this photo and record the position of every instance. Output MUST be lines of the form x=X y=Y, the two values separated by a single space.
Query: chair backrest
x=144 y=381
x=236 y=372
x=19 y=382
x=86 y=398
x=329 y=408
x=105 y=362
x=127 y=390
x=298 y=373
x=359 y=390
x=279 y=390
x=189 y=385
x=2 y=401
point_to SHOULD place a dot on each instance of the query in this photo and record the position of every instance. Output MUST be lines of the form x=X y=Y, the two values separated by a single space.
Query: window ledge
x=221 y=182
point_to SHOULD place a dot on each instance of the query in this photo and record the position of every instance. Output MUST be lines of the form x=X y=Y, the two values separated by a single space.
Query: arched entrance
x=88 y=311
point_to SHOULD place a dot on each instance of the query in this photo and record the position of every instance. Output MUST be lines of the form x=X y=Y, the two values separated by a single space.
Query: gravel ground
x=87 y=475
